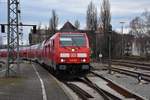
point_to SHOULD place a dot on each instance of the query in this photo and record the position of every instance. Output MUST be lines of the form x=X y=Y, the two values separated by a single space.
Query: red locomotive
x=63 y=52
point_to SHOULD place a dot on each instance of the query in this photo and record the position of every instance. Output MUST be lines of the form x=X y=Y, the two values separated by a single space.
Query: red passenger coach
x=32 y=51
x=3 y=52
x=68 y=51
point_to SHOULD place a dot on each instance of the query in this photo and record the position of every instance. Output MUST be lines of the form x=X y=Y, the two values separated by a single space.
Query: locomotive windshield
x=72 y=40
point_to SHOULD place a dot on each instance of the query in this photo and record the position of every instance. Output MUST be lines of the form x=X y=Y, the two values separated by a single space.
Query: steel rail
x=125 y=92
x=133 y=73
x=106 y=95
x=132 y=65
x=80 y=92
x=131 y=62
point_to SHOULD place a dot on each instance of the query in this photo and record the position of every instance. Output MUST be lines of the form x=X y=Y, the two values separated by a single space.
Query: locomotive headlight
x=73 y=50
x=62 y=60
x=83 y=60
x=81 y=55
x=64 y=55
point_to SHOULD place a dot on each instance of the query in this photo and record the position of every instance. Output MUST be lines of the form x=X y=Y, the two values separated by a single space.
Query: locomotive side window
x=72 y=40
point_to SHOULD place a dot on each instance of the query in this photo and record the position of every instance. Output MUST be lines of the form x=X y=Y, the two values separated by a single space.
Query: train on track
x=64 y=52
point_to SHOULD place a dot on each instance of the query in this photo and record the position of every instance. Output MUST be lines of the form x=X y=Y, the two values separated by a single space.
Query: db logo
x=73 y=54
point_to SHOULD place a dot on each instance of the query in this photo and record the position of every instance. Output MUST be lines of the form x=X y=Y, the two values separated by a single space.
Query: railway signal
x=3 y=28
x=34 y=29
x=100 y=58
x=122 y=40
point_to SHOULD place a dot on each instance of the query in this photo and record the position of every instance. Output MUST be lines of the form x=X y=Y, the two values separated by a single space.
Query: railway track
x=106 y=95
x=82 y=93
x=86 y=89
x=131 y=64
x=137 y=74
x=123 y=91
x=142 y=74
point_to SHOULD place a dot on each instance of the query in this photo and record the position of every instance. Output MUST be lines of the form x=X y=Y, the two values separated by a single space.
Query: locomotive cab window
x=72 y=40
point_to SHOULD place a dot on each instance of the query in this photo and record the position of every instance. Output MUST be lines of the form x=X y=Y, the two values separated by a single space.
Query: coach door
x=52 y=53
x=53 y=50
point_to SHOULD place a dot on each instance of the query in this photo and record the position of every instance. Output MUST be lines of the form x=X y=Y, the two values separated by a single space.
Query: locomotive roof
x=72 y=34
x=34 y=46
x=63 y=33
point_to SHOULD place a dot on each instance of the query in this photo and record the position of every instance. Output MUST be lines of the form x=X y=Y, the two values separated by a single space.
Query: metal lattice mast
x=13 y=34
x=21 y=25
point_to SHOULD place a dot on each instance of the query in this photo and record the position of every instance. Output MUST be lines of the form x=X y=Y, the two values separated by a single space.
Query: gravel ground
x=130 y=83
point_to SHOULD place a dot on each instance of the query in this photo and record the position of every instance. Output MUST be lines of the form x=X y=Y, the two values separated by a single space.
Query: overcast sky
x=36 y=11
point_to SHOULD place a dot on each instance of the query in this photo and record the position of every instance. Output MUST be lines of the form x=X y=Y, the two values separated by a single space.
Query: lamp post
x=109 y=63
x=96 y=40
x=122 y=46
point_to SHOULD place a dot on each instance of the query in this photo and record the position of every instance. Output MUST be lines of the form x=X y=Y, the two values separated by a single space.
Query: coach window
x=49 y=47
x=45 y=51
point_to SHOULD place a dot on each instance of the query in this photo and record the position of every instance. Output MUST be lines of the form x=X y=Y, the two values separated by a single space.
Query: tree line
x=92 y=21
x=100 y=26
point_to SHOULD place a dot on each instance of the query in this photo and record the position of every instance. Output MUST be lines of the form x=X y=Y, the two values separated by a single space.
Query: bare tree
x=53 y=23
x=77 y=24
x=104 y=26
x=91 y=17
x=136 y=26
x=105 y=16
x=146 y=20
x=140 y=28
x=141 y=25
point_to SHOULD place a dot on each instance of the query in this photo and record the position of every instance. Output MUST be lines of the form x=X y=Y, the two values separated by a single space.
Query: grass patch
x=11 y=81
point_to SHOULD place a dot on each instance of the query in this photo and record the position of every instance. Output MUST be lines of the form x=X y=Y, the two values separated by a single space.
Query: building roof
x=68 y=27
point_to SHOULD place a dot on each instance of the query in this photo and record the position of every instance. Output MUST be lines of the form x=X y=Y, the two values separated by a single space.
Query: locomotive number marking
x=73 y=60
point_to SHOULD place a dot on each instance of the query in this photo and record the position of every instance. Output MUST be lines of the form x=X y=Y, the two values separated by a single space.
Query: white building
x=1 y=40
x=135 y=49
x=139 y=49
